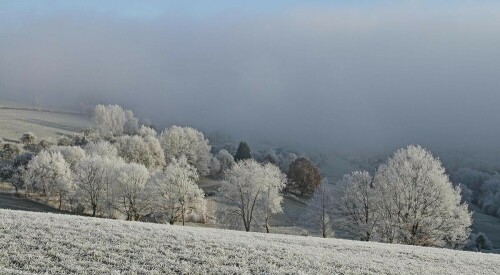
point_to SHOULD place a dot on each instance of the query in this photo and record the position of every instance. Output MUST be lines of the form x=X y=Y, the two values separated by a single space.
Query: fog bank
x=346 y=79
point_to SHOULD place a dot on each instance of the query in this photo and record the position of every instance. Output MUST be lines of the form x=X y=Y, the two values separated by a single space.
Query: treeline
x=480 y=188
x=122 y=169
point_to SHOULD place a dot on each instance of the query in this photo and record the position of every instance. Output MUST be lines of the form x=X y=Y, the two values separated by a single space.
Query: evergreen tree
x=243 y=152
x=482 y=242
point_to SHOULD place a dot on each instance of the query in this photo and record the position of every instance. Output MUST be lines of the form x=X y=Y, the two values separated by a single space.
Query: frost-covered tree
x=272 y=199
x=320 y=209
x=145 y=131
x=303 y=176
x=46 y=143
x=243 y=152
x=220 y=163
x=253 y=191
x=10 y=151
x=112 y=121
x=49 y=173
x=418 y=204
x=131 y=124
x=28 y=138
x=179 y=141
x=174 y=193
x=215 y=168
x=71 y=154
x=14 y=171
x=279 y=157
x=84 y=139
x=64 y=141
x=102 y=149
x=146 y=151
x=466 y=193
x=93 y=176
x=473 y=179
x=489 y=196
x=356 y=206
x=129 y=184
x=226 y=160
x=156 y=155
x=285 y=160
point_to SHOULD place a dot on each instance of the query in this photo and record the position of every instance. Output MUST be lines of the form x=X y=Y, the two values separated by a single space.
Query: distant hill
x=17 y=119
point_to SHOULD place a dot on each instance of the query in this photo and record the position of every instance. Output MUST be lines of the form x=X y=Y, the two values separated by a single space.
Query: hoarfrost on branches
x=320 y=209
x=418 y=204
x=253 y=191
x=49 y=173
x=179 y=141
x=174 y=194
x=356 y=206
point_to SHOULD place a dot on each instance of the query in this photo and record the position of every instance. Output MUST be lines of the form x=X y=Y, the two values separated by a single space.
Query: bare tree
x=320 y=209
x=356 y=206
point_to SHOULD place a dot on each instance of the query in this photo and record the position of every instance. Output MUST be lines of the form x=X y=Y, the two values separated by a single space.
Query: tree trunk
x=60 y=201
x=183 y=212
x=94 y=210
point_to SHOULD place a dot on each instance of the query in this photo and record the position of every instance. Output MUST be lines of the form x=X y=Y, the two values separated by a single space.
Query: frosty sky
x=349 y=75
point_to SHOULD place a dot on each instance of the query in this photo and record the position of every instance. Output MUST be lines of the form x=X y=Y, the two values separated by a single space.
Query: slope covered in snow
x=53 y=243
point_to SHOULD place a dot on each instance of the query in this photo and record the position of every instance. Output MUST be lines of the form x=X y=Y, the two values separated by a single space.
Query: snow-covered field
x=13 y=123
x=60 y=244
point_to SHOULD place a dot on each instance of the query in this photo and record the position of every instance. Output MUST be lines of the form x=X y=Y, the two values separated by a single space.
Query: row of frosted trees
x=120 y=169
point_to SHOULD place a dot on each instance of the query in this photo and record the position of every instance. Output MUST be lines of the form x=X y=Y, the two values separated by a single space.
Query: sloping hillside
x=52 y=243
x=14 y=122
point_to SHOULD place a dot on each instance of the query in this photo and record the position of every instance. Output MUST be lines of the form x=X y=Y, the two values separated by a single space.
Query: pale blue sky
x=151 y=8
x=196 y=8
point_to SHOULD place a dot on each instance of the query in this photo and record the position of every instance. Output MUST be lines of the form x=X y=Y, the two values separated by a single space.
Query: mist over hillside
x=356 y=79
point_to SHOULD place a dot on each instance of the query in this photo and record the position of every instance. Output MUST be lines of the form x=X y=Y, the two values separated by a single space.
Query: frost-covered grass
x=60 y=244
x=13 y=123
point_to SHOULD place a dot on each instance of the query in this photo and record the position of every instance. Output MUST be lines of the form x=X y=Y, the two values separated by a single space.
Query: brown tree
x=303 y=176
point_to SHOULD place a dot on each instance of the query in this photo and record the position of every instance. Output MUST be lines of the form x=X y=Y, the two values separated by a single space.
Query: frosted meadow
x=55 y=243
